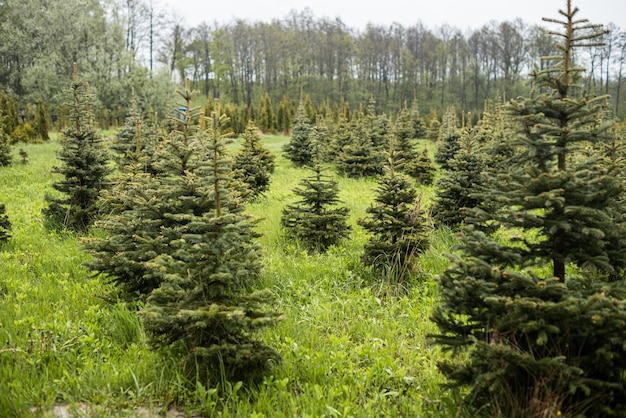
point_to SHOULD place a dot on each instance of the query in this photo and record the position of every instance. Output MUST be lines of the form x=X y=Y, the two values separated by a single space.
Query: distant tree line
x=140 y=43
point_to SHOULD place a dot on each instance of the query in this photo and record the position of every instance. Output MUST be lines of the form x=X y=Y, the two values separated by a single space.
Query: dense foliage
x=84 y=166
x=316 y=219
x=536 y=316
x=254 y=163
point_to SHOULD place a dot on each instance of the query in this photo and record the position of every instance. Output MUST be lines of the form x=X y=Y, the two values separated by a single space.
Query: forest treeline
x=121 y=44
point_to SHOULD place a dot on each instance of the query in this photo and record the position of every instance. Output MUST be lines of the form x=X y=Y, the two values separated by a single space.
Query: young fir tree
x=254 y=163
x=84 y=166
x=421 y=168
x=397 y=227
x=448 y=140
x=299 y=150
x=316 y=219
x=458 y=188
x=493 y=135
x=536 y=321
x=5 y=225
x=126 y=141
x=133 y=218
x=341 y=136
x=5 y=149
x=403 y=135
x=206 y=304
x=404 y=127
x=364 y=154
x=40 y=124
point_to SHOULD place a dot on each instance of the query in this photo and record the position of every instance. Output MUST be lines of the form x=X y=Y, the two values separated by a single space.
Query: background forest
x=139 y=43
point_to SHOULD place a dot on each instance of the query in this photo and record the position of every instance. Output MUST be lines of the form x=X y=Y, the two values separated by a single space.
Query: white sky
x=356 y=14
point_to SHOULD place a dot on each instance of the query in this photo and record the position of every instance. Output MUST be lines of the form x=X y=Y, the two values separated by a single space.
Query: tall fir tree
x=207 y=304
x=316 y=219
x=40 y=124
x=458 y=189
x=299 y=149
x=284 y=115
x=266 y=120
x=132 y=216
x=397 y=227
x=254 y=162
x=536 y=320
x=448 y=139
x=84 y=165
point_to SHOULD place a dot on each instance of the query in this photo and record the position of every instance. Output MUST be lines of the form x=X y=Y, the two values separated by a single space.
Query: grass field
x=349 y=348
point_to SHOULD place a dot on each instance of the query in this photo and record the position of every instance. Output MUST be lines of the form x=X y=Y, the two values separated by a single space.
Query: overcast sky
x=355 y=14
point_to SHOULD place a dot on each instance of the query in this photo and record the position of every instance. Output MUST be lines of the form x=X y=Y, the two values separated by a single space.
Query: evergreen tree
x=5 y=225
x=403 y=135
x=448 y=140
x=137 y=138
x=206 y=304
x=84 y=166
x=493 y=134
x=284 y=115
x=267 y=120
x=23 y=155
x=341 y=136
x=397 y=227
x=360 y=158
x=299 y=150
x=5 y=149
x=458 y=188
x=316 y=219
x=40 y=124
x=419 y=130
x=536 y=320
x=5 y=139
x=8 y=110
x=404 y=126
x=133 y=218
x=421 y=168
x=254 y=163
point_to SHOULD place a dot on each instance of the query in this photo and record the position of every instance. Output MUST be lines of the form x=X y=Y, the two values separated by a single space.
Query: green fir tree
x=5 y=225
x=364 y=153
x=535 y=320
x=457 y=190
x=398 y=230
x=266 y=119
x=84 y=166
x=421 y=168
x=254 y=162
x=316 y=219
x=299 y=150
x=40 y=124
x=448 y=140
x=5 y=149
x=207 y=305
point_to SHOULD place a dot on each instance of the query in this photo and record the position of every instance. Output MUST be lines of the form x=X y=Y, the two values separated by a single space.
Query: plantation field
x=351 y=345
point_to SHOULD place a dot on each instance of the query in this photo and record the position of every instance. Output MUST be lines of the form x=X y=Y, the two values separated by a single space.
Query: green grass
x=347 y=350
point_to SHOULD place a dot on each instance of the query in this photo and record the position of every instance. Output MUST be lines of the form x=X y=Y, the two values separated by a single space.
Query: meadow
x=350 y=346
